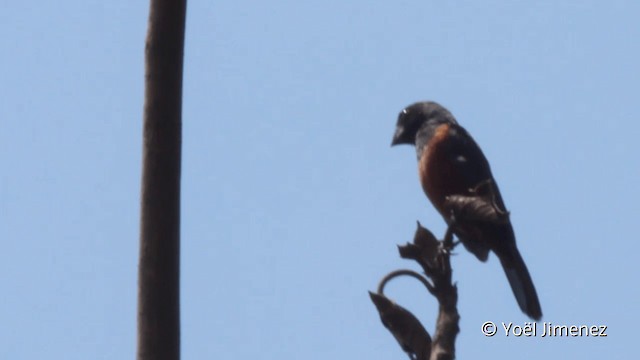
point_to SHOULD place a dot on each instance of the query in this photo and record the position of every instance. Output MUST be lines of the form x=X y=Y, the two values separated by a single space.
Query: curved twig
x=406 y=272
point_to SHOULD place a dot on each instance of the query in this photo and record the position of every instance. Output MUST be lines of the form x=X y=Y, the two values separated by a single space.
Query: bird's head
x=418 y=116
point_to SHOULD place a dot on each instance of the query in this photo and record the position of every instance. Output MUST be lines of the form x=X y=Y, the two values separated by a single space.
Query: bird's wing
x=471 y=164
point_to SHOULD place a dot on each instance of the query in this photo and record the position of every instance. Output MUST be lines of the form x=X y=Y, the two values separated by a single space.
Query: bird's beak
x=397 y=136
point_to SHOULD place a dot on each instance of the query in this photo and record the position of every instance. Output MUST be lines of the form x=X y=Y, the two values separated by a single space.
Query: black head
x=416 y=116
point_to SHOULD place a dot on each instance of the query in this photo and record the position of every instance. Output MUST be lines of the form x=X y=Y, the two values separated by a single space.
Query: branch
x=433 y=256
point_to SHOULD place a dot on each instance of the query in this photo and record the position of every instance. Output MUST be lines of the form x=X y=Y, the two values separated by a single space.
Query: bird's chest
x=439 y=175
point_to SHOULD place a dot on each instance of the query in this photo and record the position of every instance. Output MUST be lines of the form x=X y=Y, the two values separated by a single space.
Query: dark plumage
x=456 y=177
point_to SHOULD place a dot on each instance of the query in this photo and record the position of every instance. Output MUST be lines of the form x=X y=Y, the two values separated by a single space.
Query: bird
x=456 y=177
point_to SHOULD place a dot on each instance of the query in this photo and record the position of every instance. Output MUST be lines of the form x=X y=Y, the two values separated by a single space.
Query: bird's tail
x=521 y=283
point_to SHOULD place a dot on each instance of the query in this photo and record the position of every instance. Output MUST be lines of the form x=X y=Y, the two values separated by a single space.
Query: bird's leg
x=447 y=243
x=446 y=246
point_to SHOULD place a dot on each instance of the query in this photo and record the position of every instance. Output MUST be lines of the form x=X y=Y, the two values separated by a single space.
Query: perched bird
x=456 y=177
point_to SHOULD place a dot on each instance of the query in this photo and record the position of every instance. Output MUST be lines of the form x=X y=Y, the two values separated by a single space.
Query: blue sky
x=293 y=202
